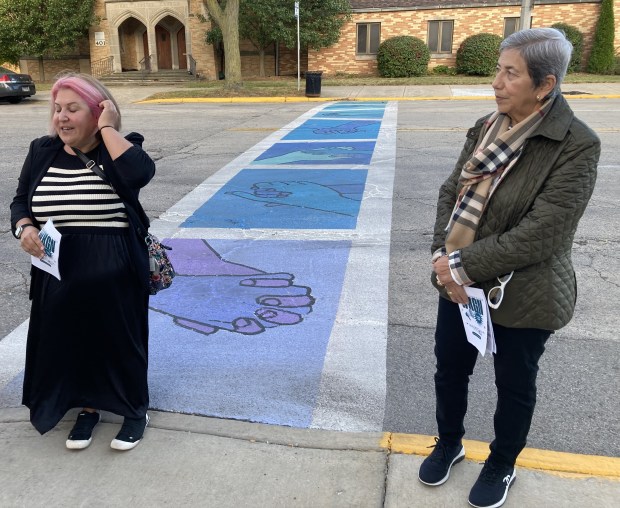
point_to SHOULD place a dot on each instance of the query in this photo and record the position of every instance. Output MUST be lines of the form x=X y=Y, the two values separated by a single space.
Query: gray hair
x=545 y=51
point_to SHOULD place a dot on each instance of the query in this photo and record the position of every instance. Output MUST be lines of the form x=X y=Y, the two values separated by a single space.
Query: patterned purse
x=160 y=268
x=162 y=271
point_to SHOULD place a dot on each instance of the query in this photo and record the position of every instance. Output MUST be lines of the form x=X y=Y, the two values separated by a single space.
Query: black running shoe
x=491 y=487
x=435 y=470
x=131 y=433
x=82 y=432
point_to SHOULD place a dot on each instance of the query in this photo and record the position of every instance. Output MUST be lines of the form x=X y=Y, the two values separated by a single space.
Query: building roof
x=377 y=5
x=423 y=4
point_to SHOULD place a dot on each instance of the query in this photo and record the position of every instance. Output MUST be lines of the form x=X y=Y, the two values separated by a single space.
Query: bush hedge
x=576 y=39
x=478 y=54
x=602 y=56
x=444 y=70
x=402 y=57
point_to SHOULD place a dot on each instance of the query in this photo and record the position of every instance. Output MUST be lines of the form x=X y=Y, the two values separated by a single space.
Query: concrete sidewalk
x=131 y=94
x=448 y=92
x=189 y=460
x=410 y=93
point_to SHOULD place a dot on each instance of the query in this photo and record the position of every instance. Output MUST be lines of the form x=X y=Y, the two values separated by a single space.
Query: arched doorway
x=171 y=47
x=131 y=33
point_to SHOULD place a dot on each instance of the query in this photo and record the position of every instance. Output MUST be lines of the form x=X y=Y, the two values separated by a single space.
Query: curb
x=563 y=463
x=336 y=99
x=559 y=463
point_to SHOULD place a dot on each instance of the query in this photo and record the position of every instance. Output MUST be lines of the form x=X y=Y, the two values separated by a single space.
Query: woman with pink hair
x=88 y=333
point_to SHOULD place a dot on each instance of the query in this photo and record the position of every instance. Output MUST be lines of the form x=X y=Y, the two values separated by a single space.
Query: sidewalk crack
x=388 y=456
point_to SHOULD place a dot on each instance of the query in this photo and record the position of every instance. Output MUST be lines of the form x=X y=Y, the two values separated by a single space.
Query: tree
x=602 y=55
x=320 y=22
x=265 y=22
x=262 y=23
x=42 y=27
x=226 y=15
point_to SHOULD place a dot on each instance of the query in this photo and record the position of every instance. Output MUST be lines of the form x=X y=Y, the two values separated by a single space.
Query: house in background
x=168 y=36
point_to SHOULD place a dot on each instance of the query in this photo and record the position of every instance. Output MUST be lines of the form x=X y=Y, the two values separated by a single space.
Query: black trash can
x=313 y=83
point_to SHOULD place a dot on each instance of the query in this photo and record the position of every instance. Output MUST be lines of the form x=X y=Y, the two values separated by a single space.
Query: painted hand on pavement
x=309 y=195
x=211 y=294
x=345 y=128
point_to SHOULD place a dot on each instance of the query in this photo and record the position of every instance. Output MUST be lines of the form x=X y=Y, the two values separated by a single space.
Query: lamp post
x=526 y=14
x=298 y=71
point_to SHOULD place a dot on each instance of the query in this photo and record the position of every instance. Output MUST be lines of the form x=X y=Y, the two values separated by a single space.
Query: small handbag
x=160 y=267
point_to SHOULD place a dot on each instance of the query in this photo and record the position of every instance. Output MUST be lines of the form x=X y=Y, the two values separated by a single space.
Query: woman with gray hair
x=506 y=218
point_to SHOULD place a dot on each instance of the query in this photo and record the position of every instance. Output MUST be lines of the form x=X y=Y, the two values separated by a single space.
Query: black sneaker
x=435 y=469
x=82 y=432
x=491 y=487
x=130 y=434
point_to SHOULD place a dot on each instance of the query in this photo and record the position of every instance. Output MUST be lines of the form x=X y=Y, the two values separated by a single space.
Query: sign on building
x=99 y=38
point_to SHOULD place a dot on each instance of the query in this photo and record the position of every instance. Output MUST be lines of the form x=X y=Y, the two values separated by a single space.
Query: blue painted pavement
x=279 y=310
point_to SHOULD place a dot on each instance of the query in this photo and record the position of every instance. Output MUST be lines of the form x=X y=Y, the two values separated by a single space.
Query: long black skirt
x=88 y=335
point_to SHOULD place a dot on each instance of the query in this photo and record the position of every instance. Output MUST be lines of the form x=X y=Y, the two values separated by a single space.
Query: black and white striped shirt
x=72 y=195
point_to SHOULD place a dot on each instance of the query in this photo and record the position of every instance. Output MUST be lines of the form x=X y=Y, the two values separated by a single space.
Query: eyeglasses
x=496 y=293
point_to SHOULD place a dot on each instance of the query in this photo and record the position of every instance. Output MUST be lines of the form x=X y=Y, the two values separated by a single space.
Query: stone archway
x=171 y=47
x=131 y=47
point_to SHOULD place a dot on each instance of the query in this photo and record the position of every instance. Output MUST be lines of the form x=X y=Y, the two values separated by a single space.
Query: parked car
x=14 y=87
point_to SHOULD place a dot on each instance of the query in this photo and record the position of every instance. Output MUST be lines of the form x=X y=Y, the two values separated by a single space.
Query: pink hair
x=84 y=89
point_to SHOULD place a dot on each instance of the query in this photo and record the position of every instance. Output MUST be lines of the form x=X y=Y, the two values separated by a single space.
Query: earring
x=538 y=98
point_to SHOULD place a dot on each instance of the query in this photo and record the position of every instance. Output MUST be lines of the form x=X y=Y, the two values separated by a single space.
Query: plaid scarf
x=499 y=147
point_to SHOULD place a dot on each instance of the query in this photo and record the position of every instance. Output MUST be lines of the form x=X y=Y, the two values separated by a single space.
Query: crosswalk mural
x=279 y=310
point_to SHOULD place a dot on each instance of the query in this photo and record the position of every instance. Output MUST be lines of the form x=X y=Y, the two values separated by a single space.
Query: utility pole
x=298 y=59
x=526 y=14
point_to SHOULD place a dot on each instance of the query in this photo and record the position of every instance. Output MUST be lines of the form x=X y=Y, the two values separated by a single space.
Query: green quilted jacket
x=530 y=221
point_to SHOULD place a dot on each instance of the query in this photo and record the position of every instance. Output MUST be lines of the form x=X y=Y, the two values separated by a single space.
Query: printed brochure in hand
x=50 y=237
x=477 y=321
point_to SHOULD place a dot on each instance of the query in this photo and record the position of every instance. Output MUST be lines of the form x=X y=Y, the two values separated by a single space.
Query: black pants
x=516 y=367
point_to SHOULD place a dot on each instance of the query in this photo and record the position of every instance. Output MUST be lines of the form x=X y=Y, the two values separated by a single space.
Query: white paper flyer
x=477 y=321
x=50 y=237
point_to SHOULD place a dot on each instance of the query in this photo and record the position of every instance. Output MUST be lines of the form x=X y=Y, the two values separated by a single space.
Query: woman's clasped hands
x=455 y=292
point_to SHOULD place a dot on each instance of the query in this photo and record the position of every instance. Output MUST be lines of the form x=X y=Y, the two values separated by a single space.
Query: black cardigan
x=128 y=174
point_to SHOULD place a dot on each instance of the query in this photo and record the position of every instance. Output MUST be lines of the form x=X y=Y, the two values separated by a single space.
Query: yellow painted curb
x=336 y=99
x=546 y=460
x=237 y=99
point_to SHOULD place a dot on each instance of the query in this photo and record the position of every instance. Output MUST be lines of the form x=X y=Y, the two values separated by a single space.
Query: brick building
x=159 y=35
x=443 y=25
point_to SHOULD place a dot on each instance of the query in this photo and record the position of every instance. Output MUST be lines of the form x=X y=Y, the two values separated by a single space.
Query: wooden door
x=181 y=50
x=164 y=48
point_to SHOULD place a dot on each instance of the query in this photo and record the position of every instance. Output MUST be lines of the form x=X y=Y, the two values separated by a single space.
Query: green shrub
x=602 y=55
x=402 y=57
x=444 y=70
x=478 y=54
x=576 y=39
x=617 y=65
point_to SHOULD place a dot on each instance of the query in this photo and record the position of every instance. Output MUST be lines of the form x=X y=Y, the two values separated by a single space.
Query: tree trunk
x=261 y=62
x=41 y=69
x=228 y=21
